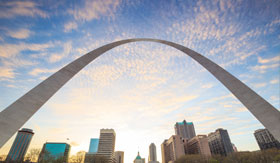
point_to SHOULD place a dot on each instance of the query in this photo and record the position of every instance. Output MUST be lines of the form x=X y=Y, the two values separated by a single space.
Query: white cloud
x=67 y=48
x=12 y=9
x=274 y=81
x=259 y=85
x=264 y=68
x=207 y=86
x=38 y=71
x=7 y=72
x=70 y=26
x=95 y=9
x=19 y=34
x=10 y=50
x=274 y=98
x=269 y=60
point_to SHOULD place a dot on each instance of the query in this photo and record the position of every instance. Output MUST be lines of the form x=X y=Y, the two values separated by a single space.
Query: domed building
x=138 y=159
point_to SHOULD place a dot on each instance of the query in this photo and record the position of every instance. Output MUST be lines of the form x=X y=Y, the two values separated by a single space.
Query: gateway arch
x=15 y=115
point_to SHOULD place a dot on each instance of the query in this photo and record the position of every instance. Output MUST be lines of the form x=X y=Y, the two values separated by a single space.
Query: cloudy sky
x=139 y=89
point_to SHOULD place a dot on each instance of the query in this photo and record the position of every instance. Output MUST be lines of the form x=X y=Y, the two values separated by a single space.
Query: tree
x=269 y=155
x=78 y=158
x=95 y=159
x=33 y=155
x=3 y=157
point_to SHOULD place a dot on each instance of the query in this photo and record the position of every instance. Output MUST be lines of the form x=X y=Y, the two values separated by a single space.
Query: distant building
x=93 y=146
x=172 y=149
x=119 y=156
x=106 y=146
x=219 y=142
x=266 y=140
x=52 y=152
x=234 y=148
x=198 y=145
x=138 y=159
x=20 y=145
x=152 y=153
x=185 y=129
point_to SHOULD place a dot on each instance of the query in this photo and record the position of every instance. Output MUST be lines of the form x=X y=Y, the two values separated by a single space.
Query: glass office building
x=20 y=145
x=54 y=151
x=93 y=147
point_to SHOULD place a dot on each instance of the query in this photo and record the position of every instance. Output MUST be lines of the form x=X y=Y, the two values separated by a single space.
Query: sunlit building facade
x=172 y=149
x=219 y=142
x=20 y=145
x=119 y=157
x=198 y=145
x=52 y=152
x=185 y=129
x=266 y=140
x=152 y=153
x=106 y=146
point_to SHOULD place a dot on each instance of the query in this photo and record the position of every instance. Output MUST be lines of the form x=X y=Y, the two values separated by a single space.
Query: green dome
x=138 y=156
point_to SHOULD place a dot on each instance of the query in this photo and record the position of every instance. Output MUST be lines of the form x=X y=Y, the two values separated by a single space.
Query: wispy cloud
x=70 y=26
x=67 y=48
x=269 y=60
x=38 y=71
x=10 y=50
x=207 y=86
x=10 y=9
x=19 y=34
x=95 y=9
x=259 y=85
x=7 y=72
x=264 y=68
x=266 y=63
x=274 y=81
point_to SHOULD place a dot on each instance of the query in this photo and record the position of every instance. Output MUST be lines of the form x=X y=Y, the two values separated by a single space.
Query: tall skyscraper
x=185 y=129
x=172 y=149
x=106 y=145
x=119 y=156
x=138 y=159
x=92 y=151
x=52 y=152
x=20 y=145
x=93 y=146
x=153 y=153
x=265 y=139
x=219 y=142
x=198 y=145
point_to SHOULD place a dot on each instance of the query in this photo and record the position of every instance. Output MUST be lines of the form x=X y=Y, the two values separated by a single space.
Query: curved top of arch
x=14 y=116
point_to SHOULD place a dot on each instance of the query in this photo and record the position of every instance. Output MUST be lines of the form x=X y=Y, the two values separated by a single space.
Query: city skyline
x=240 y=36
x=196 y=145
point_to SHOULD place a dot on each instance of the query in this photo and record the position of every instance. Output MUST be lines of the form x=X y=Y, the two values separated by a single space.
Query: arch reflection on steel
x=15 y=115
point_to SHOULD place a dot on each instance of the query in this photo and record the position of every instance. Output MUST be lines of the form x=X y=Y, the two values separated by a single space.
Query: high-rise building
x=198 y=145
x=119 y=156
x=138 y=159
x=172 y=149
x=219 y=142
x=185 y=129
x=106 y=146
x=52 y=152
x=93 y=149
x=266 y=140
x=20 y=145
x=152 y=153
x=93 y=146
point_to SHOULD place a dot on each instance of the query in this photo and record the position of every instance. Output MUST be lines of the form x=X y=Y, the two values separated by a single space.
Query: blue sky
x=139 y=89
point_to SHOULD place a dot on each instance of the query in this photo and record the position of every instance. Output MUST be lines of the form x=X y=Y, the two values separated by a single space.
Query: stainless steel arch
x=15 y=115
